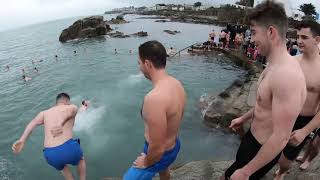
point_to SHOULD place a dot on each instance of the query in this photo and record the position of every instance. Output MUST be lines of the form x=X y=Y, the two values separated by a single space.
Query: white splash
x=86 y=120
x=135 y=78
x=132 y=79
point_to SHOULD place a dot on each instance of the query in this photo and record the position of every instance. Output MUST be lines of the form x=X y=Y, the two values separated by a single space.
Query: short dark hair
x=314 y=26
x=270 y=13
x=62 y=96
x=83 y=102
x=155 y=52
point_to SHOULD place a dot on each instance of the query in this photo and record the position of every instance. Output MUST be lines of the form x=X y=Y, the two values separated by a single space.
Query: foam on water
x=86 y=120
x=132 y=79
x=5 y=167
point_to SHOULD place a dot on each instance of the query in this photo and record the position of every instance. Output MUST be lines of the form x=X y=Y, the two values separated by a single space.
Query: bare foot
x=278 y=176
x=300 y=159
x=304 y=165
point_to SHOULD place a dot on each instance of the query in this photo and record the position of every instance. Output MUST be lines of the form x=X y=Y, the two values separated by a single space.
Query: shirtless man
x=162 y=112
x=84 y=105
x=222 y=37
x=60 y=149
x=280 y=96
x=308 y=38
x=212 y=35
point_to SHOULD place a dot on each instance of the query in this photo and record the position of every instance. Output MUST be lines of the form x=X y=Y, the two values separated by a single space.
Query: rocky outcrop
x=85 y=28
x=119 y=34
x=118 y=20
x=236 y=100
x=140 y=34
x=212 y=170
x=162 y=20
x=171 y=32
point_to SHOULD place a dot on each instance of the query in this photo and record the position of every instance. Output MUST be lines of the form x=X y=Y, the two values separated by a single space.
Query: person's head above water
x=85 y=103
x=269 y=25
x=63 y=98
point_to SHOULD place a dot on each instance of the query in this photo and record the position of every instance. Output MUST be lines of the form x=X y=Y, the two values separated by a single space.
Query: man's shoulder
x=287 y=76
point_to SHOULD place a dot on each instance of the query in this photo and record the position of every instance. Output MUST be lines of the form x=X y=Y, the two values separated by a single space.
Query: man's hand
x=140 y=161
x=17 y=146
x=239 y=175
x=236 y=124
x=297 y=137
x=56 y=131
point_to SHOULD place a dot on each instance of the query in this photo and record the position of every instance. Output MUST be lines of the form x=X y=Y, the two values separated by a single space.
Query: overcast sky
x=16 y=13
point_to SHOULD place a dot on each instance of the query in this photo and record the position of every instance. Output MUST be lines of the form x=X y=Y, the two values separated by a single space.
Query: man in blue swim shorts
x=162 y=112
x=60 y=147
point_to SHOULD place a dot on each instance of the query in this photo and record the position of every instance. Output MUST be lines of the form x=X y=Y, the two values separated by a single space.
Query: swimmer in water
x=84 y=105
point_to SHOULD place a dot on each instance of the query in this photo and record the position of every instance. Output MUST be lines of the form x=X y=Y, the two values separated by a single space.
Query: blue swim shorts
x=148 y=173
x=68 y=153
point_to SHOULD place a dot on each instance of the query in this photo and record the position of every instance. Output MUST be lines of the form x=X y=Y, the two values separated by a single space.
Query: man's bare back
x=54 y=118
x=172 y=96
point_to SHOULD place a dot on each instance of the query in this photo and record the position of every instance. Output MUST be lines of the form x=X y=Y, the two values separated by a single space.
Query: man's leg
x=313 y=152
x=164 y=175
x=82 y=169
x=284 y=166
x=302 y=158
x=67 y=174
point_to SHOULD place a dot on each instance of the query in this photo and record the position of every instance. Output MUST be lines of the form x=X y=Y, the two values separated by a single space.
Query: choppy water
x=111 y=131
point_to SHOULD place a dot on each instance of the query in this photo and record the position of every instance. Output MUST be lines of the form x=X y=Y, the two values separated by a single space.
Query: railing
x=185 y=49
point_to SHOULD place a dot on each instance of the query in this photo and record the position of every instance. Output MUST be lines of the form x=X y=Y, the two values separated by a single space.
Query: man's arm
x=19 y=144
x=312 y=125
x=155 y=117
x=57 y=131
x=247 y=116
x=287 y=102
x=37 y=121
x=71 y=114
x=299 y=135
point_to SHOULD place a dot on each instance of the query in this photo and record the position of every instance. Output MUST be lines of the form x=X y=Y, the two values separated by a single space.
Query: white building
x=201 y=8
x=297 y=15
x=161 y=7
x=174 y=8
x=188 y=7
x=181 y=8
x=153 y=8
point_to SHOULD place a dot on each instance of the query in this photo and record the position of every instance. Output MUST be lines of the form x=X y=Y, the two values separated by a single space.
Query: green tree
x=197 y=4
x=308 y=9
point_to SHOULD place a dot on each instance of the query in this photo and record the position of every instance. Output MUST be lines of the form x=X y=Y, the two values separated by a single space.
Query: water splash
x=86 y=120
